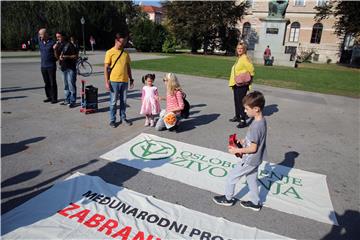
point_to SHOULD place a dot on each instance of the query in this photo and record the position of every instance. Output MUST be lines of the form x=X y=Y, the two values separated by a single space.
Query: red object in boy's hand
x=233 y=142
x=232 y=139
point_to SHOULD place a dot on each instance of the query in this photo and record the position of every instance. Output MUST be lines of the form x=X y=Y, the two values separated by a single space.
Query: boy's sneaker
x=221 y=200
x=112 y=124
x=250 y=205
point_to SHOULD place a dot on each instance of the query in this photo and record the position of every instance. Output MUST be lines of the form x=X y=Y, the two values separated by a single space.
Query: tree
x=201 y=23
x=147 y=35
x=346 y=14
x=22 y=19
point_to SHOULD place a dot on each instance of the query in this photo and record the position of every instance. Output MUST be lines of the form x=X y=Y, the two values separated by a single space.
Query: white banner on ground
x=282 y=188
x=86 y=207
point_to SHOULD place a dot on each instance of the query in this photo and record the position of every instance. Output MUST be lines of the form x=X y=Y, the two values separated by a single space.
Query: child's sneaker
x=152 y=123
x=146 y=122
x=249 y=204
x=221 y=200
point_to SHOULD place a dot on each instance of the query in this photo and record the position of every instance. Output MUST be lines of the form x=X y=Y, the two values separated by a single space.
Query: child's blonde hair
x=172 y=83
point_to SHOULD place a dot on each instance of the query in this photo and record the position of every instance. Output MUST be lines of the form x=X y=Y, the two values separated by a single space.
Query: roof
x=151 y=9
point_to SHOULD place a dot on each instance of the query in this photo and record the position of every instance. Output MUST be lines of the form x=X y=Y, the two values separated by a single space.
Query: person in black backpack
x=174 y=103
x=67 y=55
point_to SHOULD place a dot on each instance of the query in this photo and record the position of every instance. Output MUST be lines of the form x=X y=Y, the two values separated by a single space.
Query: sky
x=147 y=2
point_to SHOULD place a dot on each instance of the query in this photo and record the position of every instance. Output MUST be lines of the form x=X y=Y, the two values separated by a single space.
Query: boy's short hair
x=120 y=35
x=254 y=99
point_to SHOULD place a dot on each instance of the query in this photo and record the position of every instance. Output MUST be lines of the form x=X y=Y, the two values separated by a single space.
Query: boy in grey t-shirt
x=253 y=153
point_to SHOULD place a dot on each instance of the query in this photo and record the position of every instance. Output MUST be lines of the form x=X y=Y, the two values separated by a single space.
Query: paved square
x=44 y=143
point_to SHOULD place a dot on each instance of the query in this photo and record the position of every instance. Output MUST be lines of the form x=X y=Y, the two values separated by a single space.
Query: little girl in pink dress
x=150 y=105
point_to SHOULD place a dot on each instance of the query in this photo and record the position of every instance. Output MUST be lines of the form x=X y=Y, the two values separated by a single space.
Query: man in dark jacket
x=67 y=55
x=48 y=65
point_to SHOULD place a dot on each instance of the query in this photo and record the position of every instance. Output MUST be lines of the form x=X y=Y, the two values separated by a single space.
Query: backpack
x=186 y=111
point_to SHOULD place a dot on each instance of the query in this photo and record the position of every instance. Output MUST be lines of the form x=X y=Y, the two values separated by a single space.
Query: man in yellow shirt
x=117 y=73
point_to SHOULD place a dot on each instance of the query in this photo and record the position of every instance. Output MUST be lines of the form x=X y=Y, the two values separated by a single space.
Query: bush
x=148 y=36
x=141 y=35
x=159 y=36
x=169 y=45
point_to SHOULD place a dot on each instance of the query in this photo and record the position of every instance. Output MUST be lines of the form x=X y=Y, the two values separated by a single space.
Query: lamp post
x=82 y=20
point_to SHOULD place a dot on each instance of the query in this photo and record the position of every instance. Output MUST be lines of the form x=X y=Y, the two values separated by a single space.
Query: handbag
x=109 y=69
x=243 y=78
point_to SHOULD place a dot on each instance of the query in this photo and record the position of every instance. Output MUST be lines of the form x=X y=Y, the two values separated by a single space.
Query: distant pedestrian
x=252 y=153
x=117 y=72
x=67 y=55
x=150 y=105
x=48 y=65
x=242 y=65
x=92 y=42
x=267 y=56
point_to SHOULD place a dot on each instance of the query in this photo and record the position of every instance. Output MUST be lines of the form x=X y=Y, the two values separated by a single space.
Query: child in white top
x=150 y=105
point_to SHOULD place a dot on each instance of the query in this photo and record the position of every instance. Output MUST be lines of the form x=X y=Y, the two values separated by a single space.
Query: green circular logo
x=153 y=150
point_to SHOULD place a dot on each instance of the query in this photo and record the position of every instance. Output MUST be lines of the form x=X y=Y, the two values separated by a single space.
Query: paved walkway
x=43 y=143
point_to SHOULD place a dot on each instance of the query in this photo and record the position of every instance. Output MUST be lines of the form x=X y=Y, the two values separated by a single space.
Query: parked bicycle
x=83 y=67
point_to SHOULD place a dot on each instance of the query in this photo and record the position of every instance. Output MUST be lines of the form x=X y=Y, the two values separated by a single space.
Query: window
x=294 y=32
x=316 y=33
x=321 y=3
x=349 y=41
x=250 y=3
x=246 y=29
x=292 y=51
x=299 y=2
x=158 y=18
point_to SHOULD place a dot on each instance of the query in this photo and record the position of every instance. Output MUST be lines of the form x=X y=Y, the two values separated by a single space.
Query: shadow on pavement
x=12 y=148
x=22 y=177
x=8 y=98
x=34 y=190
x=348 y=226
x=112 y=172
x=270 y=109
x=18 y=89
x=198 y=105
x=193 y=122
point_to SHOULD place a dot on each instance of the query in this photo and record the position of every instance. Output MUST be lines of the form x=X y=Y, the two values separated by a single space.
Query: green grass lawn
x=322 y=78
x=22 y=56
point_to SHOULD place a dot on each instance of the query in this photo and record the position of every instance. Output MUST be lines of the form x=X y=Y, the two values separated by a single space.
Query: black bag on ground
x=186 y=111
x=91 y=96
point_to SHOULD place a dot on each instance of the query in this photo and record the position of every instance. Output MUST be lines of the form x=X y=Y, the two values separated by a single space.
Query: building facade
x=155 y=13
x=304 y=35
